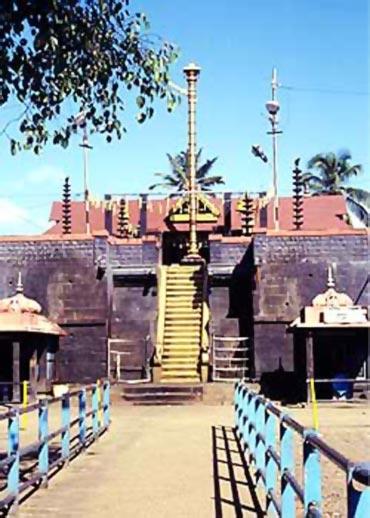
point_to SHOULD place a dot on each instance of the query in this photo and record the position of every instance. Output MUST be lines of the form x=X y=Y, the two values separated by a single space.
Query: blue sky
x=320 y=49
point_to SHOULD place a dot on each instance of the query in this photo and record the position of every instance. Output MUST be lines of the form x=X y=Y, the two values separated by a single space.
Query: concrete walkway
x=155 y=462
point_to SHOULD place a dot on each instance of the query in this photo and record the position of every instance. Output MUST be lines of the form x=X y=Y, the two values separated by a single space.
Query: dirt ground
x=182 y=462
x=345 y=427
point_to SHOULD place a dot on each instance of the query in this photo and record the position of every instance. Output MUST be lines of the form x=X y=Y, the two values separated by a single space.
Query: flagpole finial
x=19 y=283
x=330 y=282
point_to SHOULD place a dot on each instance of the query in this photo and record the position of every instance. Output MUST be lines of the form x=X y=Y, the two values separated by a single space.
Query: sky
x=320 y=49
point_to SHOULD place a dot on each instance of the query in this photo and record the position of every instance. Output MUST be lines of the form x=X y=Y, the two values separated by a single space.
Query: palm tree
x=178 y=179
x=329 y=172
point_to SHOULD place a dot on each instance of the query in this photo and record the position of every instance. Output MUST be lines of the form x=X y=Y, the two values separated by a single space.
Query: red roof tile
x=319 y=213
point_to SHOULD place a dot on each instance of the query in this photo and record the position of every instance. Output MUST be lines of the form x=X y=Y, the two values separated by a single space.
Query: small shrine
x=28 y=342
x=331 y=345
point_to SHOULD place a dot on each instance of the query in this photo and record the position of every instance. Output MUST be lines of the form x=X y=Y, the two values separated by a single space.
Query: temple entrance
x=175 y=245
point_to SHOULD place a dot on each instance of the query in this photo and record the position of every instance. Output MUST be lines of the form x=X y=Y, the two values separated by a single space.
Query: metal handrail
x=256 y=421
x=219 y=369
x=99 y=398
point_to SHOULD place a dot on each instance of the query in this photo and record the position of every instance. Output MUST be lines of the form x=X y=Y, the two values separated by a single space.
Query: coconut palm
x=178 y=179
x=329 y=172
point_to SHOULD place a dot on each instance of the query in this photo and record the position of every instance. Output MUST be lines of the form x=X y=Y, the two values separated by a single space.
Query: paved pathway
x=155 y=462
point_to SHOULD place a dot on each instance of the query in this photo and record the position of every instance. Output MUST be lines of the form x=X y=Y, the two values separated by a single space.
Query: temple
x=129 y=307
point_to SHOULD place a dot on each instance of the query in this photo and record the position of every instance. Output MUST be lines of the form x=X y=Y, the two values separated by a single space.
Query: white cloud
x=10 y=211
x=15 y=219
x=45 y=173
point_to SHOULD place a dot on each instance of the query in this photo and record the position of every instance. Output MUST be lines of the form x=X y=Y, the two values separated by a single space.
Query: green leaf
x=80 y=54
x=13 y=146
x=141 y=117
x=140 y=101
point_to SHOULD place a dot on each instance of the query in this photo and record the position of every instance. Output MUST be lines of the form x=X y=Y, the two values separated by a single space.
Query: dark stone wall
x=291 y=270
x=227 y=251
x=231 y=297
x=134 y=311
x=136 y=254
x=62 y=276
x=272 y=278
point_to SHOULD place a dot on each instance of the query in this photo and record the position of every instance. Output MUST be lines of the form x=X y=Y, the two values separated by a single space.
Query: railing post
x=239 y=416
x=271 y=467
x=260 y=440
x=43 y=460
x=236 y=407
x=245 y=417
x=106 y=404
x=288 y=508
x=100 y=403
x=358 y=501
x=66 y=424
x=312 y=476
x=252 y=427
x=95 y=408
x=13 y=451
x=82 y=416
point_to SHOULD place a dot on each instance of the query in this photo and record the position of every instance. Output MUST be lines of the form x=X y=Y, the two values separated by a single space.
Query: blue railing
x=267 y=435
x=93 y=418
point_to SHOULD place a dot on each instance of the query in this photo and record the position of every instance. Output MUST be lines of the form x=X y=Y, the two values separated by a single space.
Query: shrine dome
x=22 y=314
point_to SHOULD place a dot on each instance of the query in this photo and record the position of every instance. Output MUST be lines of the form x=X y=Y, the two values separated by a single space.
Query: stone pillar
x=143 y=214
x=227 y=213
x=33 y=374
x=310 y=373
x=16 y=372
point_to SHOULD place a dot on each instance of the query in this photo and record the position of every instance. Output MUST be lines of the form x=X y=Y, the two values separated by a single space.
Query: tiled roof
x=320 y=213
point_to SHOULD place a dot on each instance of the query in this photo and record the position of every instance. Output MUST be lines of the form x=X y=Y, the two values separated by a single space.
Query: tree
x=178 y=179
x=329 y=172
x=86 y=52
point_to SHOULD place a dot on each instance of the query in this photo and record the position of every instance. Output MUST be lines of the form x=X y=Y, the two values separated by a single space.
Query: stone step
x=180 y=355
x=178 y=325
x=185 y=363
x=184 y=304
x=184 y=342
x=190 y=349
x=181 y=333
x=183 y=313
x=173 y=363
x=163 y=393
x=186 y=276
x=179 y=379
x=178 y=373
x=181 y=304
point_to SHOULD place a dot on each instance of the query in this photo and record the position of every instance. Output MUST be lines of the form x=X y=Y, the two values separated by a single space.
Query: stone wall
x=269 y=279
x=133 y=322
x=61 y=274
x=290 y=271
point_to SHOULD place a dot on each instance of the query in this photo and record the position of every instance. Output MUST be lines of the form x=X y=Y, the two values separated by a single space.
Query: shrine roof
x=22 y=314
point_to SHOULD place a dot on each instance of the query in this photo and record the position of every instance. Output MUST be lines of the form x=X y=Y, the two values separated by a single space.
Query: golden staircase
x=182 y=341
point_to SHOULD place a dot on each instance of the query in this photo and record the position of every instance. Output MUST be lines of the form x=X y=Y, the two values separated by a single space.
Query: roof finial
x=19 y=283
x=330 y=282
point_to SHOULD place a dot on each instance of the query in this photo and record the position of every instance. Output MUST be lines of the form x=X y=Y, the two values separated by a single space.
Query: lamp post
x=80 y=120
x=273 y=108
x=192 y=72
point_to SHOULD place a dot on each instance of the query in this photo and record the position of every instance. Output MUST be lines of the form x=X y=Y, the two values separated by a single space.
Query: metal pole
x=273 y=119
x=192 y=72
x=85 y=145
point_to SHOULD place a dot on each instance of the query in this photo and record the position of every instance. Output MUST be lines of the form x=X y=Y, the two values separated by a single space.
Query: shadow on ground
x=234 y=491
x=29 y=476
